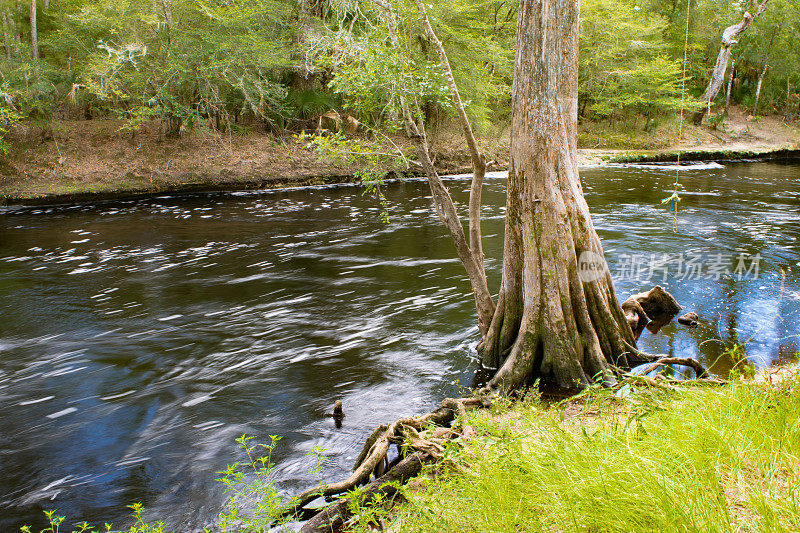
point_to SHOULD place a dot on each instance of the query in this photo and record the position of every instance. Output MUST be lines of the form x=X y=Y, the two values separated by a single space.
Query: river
x=139 y=338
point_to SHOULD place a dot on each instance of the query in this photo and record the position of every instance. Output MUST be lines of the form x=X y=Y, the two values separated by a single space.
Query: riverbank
x=73 y=161
x=672 y=458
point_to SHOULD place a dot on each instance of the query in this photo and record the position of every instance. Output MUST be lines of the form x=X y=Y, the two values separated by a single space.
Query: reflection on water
x=140 y=338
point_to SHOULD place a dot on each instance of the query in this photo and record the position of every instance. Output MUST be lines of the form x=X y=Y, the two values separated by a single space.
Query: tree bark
x=788 y=96
x=477 y=158
x=7 y=35
x=553 y=322
x=34 y=32
x=729 y=38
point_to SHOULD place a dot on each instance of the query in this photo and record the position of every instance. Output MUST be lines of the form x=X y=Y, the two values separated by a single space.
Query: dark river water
x=138 y=339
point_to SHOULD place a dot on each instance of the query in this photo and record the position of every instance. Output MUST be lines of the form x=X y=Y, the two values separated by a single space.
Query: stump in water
x=689 y=320
x=652 y=309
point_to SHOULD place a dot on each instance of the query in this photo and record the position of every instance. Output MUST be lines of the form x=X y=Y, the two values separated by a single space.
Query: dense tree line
x=227 y=64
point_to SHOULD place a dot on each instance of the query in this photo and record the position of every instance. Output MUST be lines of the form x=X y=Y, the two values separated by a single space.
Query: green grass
x=701 y=459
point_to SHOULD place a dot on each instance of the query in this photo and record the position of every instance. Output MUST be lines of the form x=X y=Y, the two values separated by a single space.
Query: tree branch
x=699 y=369
x=478 y=158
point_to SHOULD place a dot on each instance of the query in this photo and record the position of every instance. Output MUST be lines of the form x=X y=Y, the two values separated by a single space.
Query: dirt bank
x=83 y=160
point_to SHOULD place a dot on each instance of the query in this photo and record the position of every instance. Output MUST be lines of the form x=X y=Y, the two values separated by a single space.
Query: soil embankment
x=87 y=160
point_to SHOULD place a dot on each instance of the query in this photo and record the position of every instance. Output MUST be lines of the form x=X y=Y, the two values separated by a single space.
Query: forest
x=222 y=66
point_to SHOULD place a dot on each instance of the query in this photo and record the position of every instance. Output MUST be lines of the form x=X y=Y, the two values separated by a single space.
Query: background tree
x=34 y=32
x=729 y=37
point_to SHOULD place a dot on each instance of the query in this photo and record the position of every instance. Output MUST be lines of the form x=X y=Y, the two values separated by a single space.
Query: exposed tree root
x=333 y=517
x=699 y=370
x=425 y=435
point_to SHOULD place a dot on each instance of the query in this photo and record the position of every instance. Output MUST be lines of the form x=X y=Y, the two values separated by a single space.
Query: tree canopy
x=220 y=64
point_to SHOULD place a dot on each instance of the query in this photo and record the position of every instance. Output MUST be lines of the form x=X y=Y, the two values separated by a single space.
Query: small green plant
x=139 y=525
x=369 y=514
x=742 y=367
x=717 y=121
x=253 y=501
x=9 y=117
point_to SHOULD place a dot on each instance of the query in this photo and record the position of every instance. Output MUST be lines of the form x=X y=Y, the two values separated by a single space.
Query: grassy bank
x=696 y=459
x=71 y=161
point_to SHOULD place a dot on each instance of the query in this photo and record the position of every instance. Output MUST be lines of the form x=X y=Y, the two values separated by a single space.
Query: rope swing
x=675 y=198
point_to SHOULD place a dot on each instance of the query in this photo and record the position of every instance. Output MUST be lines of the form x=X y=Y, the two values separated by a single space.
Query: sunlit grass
x=701 y=459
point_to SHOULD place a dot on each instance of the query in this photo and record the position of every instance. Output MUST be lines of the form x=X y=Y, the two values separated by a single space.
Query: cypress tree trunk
x=728 y=90
x=551 y=322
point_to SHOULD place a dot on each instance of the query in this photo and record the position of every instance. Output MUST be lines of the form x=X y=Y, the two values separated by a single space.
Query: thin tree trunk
x=485 y=307
x=470 y=254
x=767 y=51
x=554 y=322
x=788 y=96
x=729 y=38
x=728 y=89
x=758 y=89
x=166 y=13
x=6 y=35
x=34 y=32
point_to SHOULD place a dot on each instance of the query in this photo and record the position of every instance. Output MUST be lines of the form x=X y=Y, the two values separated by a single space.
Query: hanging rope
x=675 y=198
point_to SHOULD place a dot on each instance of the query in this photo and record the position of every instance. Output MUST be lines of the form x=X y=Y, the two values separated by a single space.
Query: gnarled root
x=699 y=369
x=426 y=435
x=333 y=517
